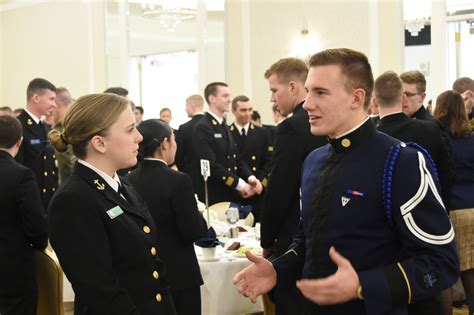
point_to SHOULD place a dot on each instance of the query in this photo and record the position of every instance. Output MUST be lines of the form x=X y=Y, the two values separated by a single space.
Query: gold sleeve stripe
x=229 y=181
x=406 y=279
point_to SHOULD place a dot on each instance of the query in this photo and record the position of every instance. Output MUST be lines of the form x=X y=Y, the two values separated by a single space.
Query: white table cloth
x=218 y=294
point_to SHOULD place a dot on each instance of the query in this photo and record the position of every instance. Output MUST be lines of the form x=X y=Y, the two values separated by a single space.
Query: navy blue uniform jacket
x=214 y=142
x=401 y=255
x=37 y=153
x=109 y=254
x=22 y=227
x=169 y=196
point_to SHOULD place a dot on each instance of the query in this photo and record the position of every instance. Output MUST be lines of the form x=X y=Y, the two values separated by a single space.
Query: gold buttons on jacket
x=54 y=189
x=44 y=157
x=234 y=156
x=45 y=173
x=153 y=251
x=156 y=275
x=44 y=190
x=254 y=157
x=229 y=169
x=54 y=173
x=254 y=169
x=146 y=229
x=235 y=167
x=158 y=297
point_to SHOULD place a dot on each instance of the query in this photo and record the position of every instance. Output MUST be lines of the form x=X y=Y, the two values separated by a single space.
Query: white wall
x=60 y=42
x=276 y=25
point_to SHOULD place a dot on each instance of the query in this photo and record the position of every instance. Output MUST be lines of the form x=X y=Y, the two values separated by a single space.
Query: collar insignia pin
x=346 y=143
x=345 y=200
x=100 y=186
x=214 y=122
x=29 y=122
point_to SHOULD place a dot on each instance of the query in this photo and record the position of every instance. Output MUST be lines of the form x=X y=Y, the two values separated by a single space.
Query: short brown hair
x=38 y=86
x=10 y=131
x=414 y=77
x=117 y=91
x=463 y=84
x=211 y=89
x=196 y=99
x=165 y=109
x=240 y=98
x=388 y=89
x=288 y=69
x=450 y=111
x=90 y=115
x=354 y=65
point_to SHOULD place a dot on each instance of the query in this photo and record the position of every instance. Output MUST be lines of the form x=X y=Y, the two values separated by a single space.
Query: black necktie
x=121 y=191
x=243 y=132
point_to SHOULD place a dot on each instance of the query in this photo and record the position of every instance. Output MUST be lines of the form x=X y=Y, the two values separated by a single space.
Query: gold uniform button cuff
x=153 y=251
x=146 y=229
x=158 y=297
x=156 y=275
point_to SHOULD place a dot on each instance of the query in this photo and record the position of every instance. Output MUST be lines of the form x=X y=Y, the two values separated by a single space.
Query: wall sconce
x=305 y=45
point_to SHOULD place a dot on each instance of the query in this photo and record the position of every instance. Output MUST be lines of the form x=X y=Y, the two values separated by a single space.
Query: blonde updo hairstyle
x=90 y=115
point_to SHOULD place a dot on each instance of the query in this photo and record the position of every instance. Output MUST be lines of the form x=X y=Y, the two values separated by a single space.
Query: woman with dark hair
x=451 y=112
x=101 y=230
x=170 y=198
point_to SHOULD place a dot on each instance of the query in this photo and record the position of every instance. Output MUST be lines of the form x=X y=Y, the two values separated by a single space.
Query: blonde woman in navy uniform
x=101 y=230
x=169 y=196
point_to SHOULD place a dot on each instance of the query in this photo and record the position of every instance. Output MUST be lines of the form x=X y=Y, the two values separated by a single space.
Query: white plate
x=255 y=251
x=209 y=259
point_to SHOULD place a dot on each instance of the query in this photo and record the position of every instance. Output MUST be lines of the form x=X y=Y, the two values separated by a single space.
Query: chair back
x=220 y=209
x=49 y=277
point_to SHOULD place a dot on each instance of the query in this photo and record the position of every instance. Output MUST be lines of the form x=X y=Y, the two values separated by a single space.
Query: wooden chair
x=221 y=207
x=49 y=277
x=268 y=306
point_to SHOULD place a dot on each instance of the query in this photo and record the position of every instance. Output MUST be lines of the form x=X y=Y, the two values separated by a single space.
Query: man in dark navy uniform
x=388 y=92
x=185 y=156
x=374 y=234
x=22 y=225
x=414 y=90
x=36 y=151
x=253 y=145
x=388 y=96
x=230 y=176
x=293 y=142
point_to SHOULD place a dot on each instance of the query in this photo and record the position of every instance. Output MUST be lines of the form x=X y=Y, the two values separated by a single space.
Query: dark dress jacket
x=399 y=241
x=185 y=156
x=22 y=227
x=255 y=150
x=446 y=170
x=463 y=188
x=271 y=131
x=213 y=142
x=169 y=196
x=427 y=134
x=281 y=205
x=37 y=153
x=107 y=247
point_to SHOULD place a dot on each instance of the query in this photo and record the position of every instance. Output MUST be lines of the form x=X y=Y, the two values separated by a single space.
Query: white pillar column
x=201 y=43
x=438 y=47
x=123 y=43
